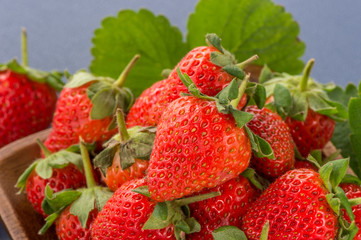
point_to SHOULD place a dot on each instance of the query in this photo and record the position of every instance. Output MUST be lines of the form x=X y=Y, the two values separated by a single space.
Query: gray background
x=59 y=32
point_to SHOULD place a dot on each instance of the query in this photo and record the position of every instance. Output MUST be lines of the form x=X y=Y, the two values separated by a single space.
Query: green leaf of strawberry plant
x=229 y=233
x=248 y=28
x=121 y=37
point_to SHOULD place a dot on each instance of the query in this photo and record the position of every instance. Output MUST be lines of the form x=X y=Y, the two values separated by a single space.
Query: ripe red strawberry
x=125 y=214
x=301 y=204
x=352 y=191
x=74 y=211
x=273 y=129
x=227 y=209
x=305 y=164
x=68 y=226
x=86 y=107
x=205 y=70
x=307 y=110
x=61 y=170
x=27 y=99
x=126 y=155
x=312 y=133
x=195 y=147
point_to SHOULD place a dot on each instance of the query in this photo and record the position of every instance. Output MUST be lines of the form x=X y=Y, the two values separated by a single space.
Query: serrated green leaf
x=229 y=233
x=120 y=38
x=83 y=206
x=248 y=28
x=102 y=195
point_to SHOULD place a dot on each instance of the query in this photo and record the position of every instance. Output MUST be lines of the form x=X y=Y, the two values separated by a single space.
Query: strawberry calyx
x=234 y=233
x=175 y=212
x=44 y=167
x=134 y=143
x=53 y=79
x=225 y=104
x=82 y=200
x=106 y=94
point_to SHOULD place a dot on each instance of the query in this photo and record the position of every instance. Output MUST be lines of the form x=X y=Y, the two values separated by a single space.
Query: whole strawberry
x=27 y=99
x=61 y=170
x=86 y=107
x=301 y=204
x=74 y=211
x=203 y=66
x=307 y=110
x=125 y=214
x=225 y=210
x=126 y=155
x=273 y=129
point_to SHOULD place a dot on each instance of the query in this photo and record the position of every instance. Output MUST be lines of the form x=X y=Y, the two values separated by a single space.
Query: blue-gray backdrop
x=59 y=32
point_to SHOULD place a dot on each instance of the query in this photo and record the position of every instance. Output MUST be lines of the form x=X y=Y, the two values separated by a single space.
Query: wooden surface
x=19 y=218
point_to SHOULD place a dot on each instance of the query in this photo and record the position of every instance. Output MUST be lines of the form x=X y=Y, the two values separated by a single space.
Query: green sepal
x=333 y=172
x=104 y=104
x=105 y=158
x=215 y=41
x=282 y=100
x=188 y=225
x=21 y=183
x=334 y=203
x=354 y=109
x=221 y=59
x=315 y=157
x=299 y=108
x=257 y=94
x=102 y=195
x=255 y=179
x=348 y=178
x=229 y=233
x=82 y=77
x=318 y=104
x=144 y=190
x=228 y=93
x=161 y=216
x=265 y=231
x=265 y=75
x=234 y=71
x=53 y=78
x=53 y=202
x=260 y=147
x=82 y=206
x=49 y=220
x=241 y=118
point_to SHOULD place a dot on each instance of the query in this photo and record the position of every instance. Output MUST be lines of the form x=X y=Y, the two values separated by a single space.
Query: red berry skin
x=227 y=209
x=209 y=78
x=273 y=129
x=195 y=147
x=26 y=106
x=311 y=134
x=305 y=164
x=124 y=215
x=296 y=207
x=116 y=177
x=353 y=191
x=72 y=120
x=68 y=226
x=62 y=178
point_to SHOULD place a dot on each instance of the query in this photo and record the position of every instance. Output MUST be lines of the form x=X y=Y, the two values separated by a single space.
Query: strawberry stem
x=123 y=132
x=189 y=200
x=242 y=88
x=245 y=63
x=24 y=51
x=306 y=74
x=123 y=76
x=88 y=169
x=45 y=150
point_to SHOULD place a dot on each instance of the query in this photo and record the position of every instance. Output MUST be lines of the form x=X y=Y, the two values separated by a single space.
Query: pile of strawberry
x=202 y=154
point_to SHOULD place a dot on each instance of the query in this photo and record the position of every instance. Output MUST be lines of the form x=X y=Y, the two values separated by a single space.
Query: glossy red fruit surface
x=68 y=226
x=124 y=215
x=26 y=106
x=72 y=120
x=273 y=129
x=295 y=206
x=227 y=209
x=64 y=178
x=195 y=147
x=353 y=191
x=311 y=134
x=305 y=164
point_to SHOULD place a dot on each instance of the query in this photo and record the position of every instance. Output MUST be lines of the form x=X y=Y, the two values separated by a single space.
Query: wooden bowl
x=17 y=214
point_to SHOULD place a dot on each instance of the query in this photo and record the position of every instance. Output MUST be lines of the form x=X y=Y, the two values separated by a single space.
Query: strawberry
x=74 y=211
x=269 y=126
x=305 y=164
x=202 y=140
x=305 y=106
x=126 y=155
x=86 y=107
x=227 y=209
x=211 y=68
x=125 y=214
x=27 y=99
x=61 y=170
x=301 y=204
